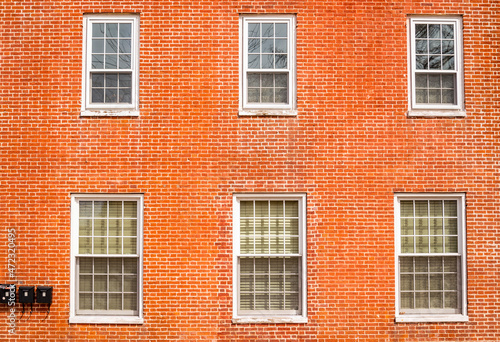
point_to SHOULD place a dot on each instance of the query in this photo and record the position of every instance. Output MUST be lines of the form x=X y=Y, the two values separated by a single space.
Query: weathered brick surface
x=350 y=148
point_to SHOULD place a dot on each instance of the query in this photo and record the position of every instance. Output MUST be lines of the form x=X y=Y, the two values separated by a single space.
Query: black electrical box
x=44 y=294
x=7 y=293
x=26 y=294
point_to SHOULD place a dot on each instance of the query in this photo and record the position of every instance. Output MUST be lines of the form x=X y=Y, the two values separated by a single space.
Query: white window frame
x=427 y=315
x=246 y=108
x=113 y=109
x=261 y=317
x=436 y=110
x=99 y=318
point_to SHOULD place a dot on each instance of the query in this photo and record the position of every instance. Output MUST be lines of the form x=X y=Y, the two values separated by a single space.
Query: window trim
x=462 y=246
x=115 y=109
x=289 y=109
x=105 y=319
x=271 y=318
x=436 y=110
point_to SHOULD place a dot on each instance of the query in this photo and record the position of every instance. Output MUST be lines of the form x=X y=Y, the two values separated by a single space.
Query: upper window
x=269 y=259
x=111 y=65
x=268 y=64
x=436 y=77
x=106 y=259
x=430 y=248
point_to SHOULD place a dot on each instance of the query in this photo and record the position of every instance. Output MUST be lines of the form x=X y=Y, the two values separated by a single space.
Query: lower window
x=106 y=256
x=430 y=247
x=269 y=258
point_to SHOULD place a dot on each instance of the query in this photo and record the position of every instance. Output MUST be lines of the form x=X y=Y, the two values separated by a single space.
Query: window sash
x=120 y=96
x=427 y=281
x=285 y=99
x=271 y=287
x=442 y=97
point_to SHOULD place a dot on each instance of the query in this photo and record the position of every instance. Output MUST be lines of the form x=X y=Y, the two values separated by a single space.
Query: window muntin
x=106 y=257
x=268 y=62
x=269 y=257
x=436 y=63
x=111 y=67
x=430 y=263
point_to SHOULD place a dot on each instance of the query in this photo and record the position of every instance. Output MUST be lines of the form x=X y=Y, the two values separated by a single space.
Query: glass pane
x=261 y=209
x=450 y=208
x=100 y=227
x=115 y=283
x=100 y=245
x=253 y=95
x=246 y=302
x=85 y=209
x=407 y=244
x=450 y=282
x=261 y=265
x=246 y=283
x=434 y=31
x=421 y=282
x=434 y=47
x=422 y=244
x=281 y=61
x=436 y=300
x=422 y=62
x=268 y=61
x=420 y=82
x=261 y=227
x=253 y=30
x=276 y=283
x=246 y=265
x=130 y=266
x=277 y=302
x=406 y=281
x=268 y=45
x=112 y=81
x=436 y=244
x=281 y=80
x=115 y=301
x=97 y=46
x=434 y=81
x=267 y=30
x=125 y=80
x=434 y=96
x=292 y=265
x=292 y=245
x=436 y=208
x=281 y=46
x=111 y=96
x=130 y=283
x=435 y=62
x=450 y=264
x=451 y=244
x=253 y=80
x=276 y=208
x=436 y=264
x=421 y=30
x=129 y=245
x=100 y=301
x=421 y=300
x=100 y=265
x=85 y=283
x=447 y=31
x=421 y=46
x=112 y=30
x=97 y=61
x=451 y=226
x=407 y=301
x=267 y=80
x=421 y=226
x=261 y=302
x=254 y=61
x=276 y=226
x=85 y=301
x=292 y=227
x=448 y=63
x=448 y=47
x=422 y=96
x=451 y=300
x=436 y=282
x=125 y=30
x=125 y=61
x=85 y=265
x=100 y=283
x=97 y=96
x=448 y=96
x=110 y=62
x=130 y=301
x=267 y=95
x=421 y=265
x=85 y=227
x=115 y=245
x=115 y=227
x=291 y=283
x=98 y=30
x=406 y=265
x=129 y=227
x=436 y=226
x=115 y=266
x=100 y=209
x=421 y=209
x=281 y=30
x=111 y=45
x=129 y=207
x=115 y=209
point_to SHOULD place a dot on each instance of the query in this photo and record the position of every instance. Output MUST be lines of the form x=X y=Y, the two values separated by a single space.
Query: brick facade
x=350 y=148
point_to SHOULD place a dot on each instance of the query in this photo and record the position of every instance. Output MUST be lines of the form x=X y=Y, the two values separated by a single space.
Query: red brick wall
x=350 y=148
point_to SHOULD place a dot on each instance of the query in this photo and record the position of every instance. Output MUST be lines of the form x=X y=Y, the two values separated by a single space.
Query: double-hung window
x=111 y=65
x=267 y=64
x=106 y=258
x=430 y=257
x=436 y=66
x=269 y=258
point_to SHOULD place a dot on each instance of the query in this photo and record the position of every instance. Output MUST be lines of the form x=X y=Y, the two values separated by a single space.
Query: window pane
x=125 y=30
x=98 y=30
x=111 y=30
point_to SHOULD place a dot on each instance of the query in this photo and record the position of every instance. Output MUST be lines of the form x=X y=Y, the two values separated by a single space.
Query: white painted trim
x=105 y=319
x=445 y=110
x=462 y=245
x=89 y=109
x=268 y=109
x=271 y=318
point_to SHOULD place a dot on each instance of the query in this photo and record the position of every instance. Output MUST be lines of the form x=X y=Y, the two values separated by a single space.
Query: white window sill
x=436 y=113
x=275 y=319
x=267 y=112
x=109 y=112
x=106 y=320
x=431 y=318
